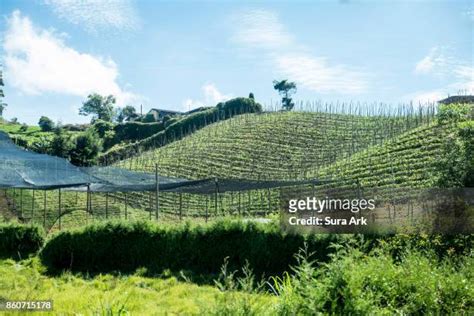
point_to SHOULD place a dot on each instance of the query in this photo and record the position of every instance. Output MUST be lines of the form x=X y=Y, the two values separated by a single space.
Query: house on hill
x=460 y=99
x=159 y=114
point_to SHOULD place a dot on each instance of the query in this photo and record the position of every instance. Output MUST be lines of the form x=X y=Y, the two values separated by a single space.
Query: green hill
x=278 y=145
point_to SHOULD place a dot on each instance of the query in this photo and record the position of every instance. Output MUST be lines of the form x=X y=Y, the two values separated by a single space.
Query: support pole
x=44 y=208
x=207 y=207
x=59 y=209
x=21 y=203
x=180 y=205
x=126 y=211
x=33 y=206
x=157 y=193
x=106 y=205
x=216 y=196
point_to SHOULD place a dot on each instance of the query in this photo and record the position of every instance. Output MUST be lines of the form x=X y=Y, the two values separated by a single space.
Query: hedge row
x=124 y=247
x=132 y=131
x=183 y=127
x=19 y=241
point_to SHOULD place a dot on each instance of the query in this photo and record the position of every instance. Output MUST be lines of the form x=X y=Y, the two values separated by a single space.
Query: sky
x=180 y=55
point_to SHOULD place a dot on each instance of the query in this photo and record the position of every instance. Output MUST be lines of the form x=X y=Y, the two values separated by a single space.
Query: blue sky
x=183 y=54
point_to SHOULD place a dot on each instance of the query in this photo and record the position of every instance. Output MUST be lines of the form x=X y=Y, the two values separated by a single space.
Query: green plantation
x=225 y=254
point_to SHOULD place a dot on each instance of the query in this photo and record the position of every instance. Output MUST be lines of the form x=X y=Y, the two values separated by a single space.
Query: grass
x=112 y=295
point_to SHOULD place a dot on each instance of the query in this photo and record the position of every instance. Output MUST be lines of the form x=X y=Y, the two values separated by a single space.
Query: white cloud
x=212 y=96
x=440 y=63
x=38 y=61
x=262 y=30
x=97 y=14
x=315 y=74
x=426 y=97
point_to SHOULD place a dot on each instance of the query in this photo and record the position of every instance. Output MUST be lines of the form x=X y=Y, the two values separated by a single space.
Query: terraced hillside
x=378 y=151
x=282 y=145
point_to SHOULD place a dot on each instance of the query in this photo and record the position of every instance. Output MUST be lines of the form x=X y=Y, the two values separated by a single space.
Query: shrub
x=46 y=124
x=125 y=247
x=20 y=241
x=453 y=113
x=132 y=131
x=354 y=283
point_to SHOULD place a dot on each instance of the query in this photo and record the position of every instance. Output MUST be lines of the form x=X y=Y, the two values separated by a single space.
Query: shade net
x=23 y=169
x=20 y=168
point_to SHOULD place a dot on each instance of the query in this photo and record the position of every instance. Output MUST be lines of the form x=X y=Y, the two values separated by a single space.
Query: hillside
x=278 y=145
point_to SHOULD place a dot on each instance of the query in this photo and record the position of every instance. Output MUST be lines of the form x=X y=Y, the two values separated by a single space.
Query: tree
x=285 y=89
x=61 y=143
x=128 y=113
x=86 y=149
x=99 y=106
x=149 y=118
x=2 y=95
x=46 y=124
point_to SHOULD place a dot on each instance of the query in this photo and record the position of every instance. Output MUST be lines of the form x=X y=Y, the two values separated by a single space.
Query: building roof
x=458 y=99
x=165 y=111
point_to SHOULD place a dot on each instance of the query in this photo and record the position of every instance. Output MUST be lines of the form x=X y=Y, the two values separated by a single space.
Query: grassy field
x=113 y=295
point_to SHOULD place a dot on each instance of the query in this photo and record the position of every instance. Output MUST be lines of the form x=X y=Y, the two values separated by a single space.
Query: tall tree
x=285 y=88
x=46 y=124
x=2 y=95
x=100 y=107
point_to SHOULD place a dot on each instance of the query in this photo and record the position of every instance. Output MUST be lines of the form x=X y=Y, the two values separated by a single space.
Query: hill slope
x=282 y=145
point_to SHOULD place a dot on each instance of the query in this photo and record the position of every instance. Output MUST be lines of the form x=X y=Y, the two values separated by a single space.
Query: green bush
x=355 y=283
x=124 y=247
x=132 y=131
x=20 y=241
x=453 y=112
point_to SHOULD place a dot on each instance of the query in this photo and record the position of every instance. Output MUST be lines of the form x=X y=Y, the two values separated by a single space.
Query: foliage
x=455 y=167
x=125 y=247
x=112 y=295
x=127 y=113
x=61 y=143
x=46 y=124
x=2 y=95
x=86 y=149
x=102 y=127
x=20 y=241
x=285 y=88
x=354 y=283
x=453 y=113
x=100 y=107
x=185 y=126
x=132 y=131
x=149 y=118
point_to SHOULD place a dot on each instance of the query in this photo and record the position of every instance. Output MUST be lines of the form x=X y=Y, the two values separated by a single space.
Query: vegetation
x=114 y=295
x=2 y=95
x=187 y=125
x=46 y=124
x=19 y=241
x=125 y=247
x=128 y=113
x=100 y=107
x=285 y=88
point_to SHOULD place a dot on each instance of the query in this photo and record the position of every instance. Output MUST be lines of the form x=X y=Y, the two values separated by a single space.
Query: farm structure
x=103 y=192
